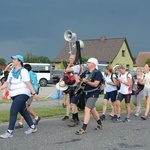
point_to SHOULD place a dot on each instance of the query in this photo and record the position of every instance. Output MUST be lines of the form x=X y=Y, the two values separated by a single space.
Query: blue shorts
x=75 y=99
x=111 y=95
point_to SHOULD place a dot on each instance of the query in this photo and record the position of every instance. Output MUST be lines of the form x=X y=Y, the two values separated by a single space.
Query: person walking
x=92 y=92
x=146 y=83
x=20 y=88
x=110 y=91
x=125 y=91
x=138 y=89
x=34 y=80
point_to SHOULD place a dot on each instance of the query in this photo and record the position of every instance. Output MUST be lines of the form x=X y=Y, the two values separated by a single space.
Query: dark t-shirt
x=94 y=75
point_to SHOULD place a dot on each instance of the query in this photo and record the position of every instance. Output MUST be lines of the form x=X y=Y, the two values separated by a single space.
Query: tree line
x=30 y=58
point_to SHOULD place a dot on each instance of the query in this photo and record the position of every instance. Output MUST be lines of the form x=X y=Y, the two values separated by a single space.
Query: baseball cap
x=94 y=61
x=18 y=57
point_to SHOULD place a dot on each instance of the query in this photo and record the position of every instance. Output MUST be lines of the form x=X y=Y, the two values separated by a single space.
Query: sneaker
x=65 y=118
x=117 y=120
x=126 y=120
x=37 y=121
x=6 y=135
x=18 y=126
x=144 y=117
x=30 y=130
x=114 y=117
x=81 y=131
x=103 y=117
x=99 y=127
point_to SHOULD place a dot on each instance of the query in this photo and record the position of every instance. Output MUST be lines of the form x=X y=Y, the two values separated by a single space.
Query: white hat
x=94 y=61
x=61 y=86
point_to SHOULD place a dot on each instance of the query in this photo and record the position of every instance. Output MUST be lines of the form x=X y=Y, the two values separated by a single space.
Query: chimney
x=103 y=38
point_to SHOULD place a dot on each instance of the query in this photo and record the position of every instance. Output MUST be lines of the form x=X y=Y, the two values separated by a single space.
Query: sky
x=38 y=26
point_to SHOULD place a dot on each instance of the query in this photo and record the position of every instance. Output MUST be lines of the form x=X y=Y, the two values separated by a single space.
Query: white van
x=43 y=72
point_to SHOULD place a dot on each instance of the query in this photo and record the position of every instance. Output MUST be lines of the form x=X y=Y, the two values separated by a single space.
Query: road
x=54 y=134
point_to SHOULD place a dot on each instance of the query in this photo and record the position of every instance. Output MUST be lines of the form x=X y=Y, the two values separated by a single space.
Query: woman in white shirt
x=146 y=90
x=110 y=90
x=20 y=89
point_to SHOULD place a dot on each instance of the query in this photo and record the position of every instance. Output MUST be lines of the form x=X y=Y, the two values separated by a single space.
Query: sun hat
x=94 y=61
x=18 y=57
x=61 y=86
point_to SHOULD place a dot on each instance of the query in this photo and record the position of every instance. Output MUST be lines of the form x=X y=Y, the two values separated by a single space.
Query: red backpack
x=69 y=78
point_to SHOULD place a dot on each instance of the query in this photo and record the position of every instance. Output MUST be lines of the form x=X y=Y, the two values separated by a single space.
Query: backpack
x=34 y=81
x=111 y=77
x=69 y=78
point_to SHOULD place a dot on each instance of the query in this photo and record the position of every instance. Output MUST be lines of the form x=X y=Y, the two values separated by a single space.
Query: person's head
x=122 y=69
x=92 y=63
x=139 y=71
x=17 y=60
x=147 y=67
x=28 y=67
x=72 y=59
x=109 y=69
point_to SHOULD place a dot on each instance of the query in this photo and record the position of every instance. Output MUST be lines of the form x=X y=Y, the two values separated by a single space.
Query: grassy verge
x=48 y=112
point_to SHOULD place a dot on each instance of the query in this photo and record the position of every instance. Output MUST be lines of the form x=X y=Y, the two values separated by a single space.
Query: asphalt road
x=54 y=134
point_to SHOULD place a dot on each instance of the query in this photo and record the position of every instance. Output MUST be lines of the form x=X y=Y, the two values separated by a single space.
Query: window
x=127 y=67
x=123 y=53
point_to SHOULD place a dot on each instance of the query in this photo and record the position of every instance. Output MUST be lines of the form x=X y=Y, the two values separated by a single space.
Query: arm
x=4 y=86
x=93 y=84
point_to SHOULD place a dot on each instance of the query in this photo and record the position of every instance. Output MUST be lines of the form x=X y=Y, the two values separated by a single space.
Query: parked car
x=56 y=75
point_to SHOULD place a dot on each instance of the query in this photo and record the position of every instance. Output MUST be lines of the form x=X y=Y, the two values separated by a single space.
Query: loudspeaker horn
x=81 y=44
x=69 y=36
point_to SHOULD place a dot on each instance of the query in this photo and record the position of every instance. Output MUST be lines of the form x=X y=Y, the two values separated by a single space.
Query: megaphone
x=69 y=36
x=81 y=44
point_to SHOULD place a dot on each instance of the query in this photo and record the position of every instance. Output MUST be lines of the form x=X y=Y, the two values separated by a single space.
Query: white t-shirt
x=124 y=89
x=109 y=87
x=147 y=80
x=77 y=70
x=18 y=86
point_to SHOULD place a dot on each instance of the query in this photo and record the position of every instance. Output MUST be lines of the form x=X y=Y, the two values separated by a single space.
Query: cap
x=18 y=57
x=94 y=61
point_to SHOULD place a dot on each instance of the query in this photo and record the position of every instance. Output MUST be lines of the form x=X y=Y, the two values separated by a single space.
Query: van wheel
x=43 y=82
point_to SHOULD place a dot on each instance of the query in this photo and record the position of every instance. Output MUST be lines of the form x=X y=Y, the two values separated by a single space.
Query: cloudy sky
x=38 y=26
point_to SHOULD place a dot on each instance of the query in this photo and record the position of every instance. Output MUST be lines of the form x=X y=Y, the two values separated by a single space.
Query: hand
x=85 y=80
x=36 y=96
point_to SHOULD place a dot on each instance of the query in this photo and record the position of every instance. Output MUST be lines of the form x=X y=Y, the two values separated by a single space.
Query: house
x=141 y=59
x=107 y=50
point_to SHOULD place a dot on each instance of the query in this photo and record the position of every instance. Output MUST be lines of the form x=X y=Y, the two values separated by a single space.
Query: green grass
x=48 y=112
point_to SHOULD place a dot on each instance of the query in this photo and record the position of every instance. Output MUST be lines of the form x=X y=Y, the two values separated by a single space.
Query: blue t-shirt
x=94 y=75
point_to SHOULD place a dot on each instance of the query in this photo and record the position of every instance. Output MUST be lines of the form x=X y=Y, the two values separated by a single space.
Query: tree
x=84 y=59
x=44 y=59
x=148 y=61
x=2 y=61
x=30 y=58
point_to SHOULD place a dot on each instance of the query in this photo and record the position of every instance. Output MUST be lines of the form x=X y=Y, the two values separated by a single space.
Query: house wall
x=119 y=59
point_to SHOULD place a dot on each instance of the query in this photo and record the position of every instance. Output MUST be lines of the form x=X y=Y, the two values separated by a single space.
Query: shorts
x=90 y=102
x=111 y=95
x=146 y=92
x=29 y=101
x=127 y=97
x=75 y=99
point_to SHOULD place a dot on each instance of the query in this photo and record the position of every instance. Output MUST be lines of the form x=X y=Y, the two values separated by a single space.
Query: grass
x=48 y=112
